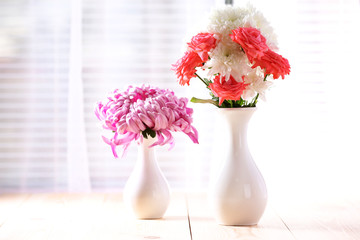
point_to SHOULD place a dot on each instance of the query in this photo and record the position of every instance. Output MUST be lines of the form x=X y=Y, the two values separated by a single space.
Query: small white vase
x=238 y=195
x=147 y=191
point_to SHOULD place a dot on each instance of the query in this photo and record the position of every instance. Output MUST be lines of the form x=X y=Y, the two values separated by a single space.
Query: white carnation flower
x=256 y=85
x=228 y=59
x=228 y=18
x=223 y=20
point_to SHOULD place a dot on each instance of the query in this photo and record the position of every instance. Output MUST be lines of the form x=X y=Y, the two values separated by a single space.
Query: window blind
x=33 y=72
x=135 y=42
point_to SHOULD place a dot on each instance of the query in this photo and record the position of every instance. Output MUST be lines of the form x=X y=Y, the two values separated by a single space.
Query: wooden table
x=103 y=216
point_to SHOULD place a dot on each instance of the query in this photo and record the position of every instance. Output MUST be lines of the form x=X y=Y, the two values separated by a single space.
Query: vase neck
x=237 y=118
x=147 y=142
x=146 y=154
x=236 y=121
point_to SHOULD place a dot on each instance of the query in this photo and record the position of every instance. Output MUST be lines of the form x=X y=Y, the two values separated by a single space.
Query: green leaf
x=148 y=132
x=198 y=100
x=207 y=81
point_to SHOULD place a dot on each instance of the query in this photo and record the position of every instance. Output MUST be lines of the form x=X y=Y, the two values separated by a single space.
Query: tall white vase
x=147 y=191
x=239 y=194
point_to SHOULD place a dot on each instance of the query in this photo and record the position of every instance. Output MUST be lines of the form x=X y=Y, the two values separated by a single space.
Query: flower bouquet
x=142 y=112
x=237 y=57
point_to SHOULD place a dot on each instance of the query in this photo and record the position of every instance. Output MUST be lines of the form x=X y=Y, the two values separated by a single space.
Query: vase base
x=140 y=216
x=238 y=224
x=149 y=218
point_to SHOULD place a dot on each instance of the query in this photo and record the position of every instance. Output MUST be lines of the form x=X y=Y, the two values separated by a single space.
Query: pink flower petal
x=146 y=120
x=129 y=113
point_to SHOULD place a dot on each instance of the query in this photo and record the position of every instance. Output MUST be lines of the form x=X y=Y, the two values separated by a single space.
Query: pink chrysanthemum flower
x=144 y=112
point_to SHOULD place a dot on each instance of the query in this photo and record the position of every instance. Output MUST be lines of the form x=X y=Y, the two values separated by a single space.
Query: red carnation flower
x=202 y=43
x=273 y=63
x=185 y=67
x=229 y=90
x=251 y=41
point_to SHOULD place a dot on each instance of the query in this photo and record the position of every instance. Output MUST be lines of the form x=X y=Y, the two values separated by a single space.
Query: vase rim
x=147 y=141
x=238 y=109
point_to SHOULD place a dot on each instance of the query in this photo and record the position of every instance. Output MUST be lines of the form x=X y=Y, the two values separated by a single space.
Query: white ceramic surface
x=239 y=194
x=147 y=191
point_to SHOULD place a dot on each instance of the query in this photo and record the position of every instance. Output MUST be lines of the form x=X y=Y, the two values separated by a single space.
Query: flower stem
x=198 y=100
x=254 y=101
x=253 y=104
x=266 y=77
x=207 y=84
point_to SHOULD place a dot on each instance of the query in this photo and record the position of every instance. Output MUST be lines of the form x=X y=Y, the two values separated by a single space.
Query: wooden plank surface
x=329 y=220
x=203 y=225
x=8 y=204
x=30 y=220
x=90 y=216
x=117 y=222
x=104 y=216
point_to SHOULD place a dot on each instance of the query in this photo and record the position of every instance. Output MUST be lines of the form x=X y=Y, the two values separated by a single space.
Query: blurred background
x=59 y=57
